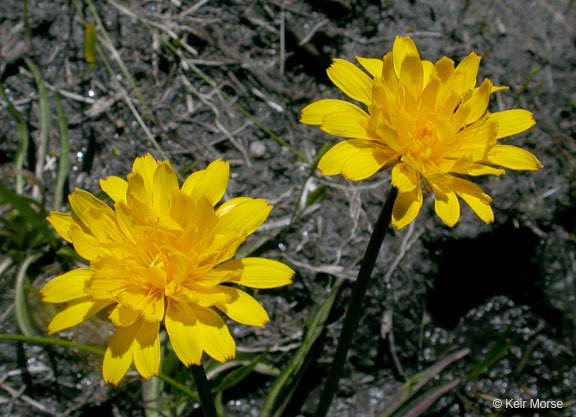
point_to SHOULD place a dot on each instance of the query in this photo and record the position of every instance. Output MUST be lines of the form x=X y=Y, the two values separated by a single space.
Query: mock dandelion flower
x=428 y=121
x=163 y=255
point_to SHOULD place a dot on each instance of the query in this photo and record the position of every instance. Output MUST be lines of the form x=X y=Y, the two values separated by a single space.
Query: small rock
x=258 y=149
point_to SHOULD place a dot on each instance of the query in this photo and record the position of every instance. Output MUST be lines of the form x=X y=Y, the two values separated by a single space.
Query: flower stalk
x=204 y=391
x=355 y=304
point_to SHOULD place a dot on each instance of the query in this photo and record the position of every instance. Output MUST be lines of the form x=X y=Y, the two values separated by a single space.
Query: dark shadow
x=502 y=262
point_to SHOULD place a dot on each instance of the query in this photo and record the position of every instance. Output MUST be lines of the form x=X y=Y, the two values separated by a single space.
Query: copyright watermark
x=531 y=403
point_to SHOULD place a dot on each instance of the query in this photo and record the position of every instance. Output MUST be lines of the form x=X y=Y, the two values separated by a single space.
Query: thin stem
x=52 y=341
x=355 y=305
x=204 y=391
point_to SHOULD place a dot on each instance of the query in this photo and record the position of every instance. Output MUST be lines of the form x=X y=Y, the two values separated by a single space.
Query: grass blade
x=284 y=386
x=63 y=160
x=21 y=307
x=23 y=139
x=500 y=347
x=238 y=375
x=90 y=45
x=110 y=46
x=418 y=380
x=44 y=118
x=424 y=401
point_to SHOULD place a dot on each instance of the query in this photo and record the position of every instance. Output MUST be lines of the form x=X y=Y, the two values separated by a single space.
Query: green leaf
x=238 y=375
x=500 y=347
x=316 y=196
x=21 y=203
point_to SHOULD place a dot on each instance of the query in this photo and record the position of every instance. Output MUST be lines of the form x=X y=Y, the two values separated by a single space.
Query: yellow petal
x=446 y=204
x=242 y=308
x=85 y=245
x=475 y=140
x=145 y=167
x=389 y=75
x=403 y=47
x=469 y=67
x=372 y=65
x=118 y=356
x=210 y=183
x=138 y=190
x=62 y=222
x=124 y=219
x=512 y=122
x=83 y=202
x=243 y=214
x=334 y=159
x=102 y=225
x=76 y=312
x=122 y=316
x=149 y=303
x=428 y=98
x=388 y=136
x=190 y=213
x=513 y=158
x=351 y=80
x=216 y=339
x=496 y=89
x=204 y=296
x=165 y=183
x=184 y=333
x=427 y=68
x=477 y=170
x=366 y=161
x=477 y=199
x=66 y=287
x=444 y=68
x=313 y=113
x=475 y=107
x=412 y=75
x=346 y=125
x=405 y=178
x=146 y=349
x=355 y=159
x=253 y=272
x=466 y=166
x=115 y=187
x=406 y=207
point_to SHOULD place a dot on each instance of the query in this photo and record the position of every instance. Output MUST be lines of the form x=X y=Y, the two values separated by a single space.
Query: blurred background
x=463 y=315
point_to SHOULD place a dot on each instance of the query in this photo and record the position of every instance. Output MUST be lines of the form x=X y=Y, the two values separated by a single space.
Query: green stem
x=52 y=341
x=356 y=305
x=204 y=391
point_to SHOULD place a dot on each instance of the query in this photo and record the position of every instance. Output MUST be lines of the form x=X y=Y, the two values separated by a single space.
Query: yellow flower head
x=162 y=255
x=426 y=120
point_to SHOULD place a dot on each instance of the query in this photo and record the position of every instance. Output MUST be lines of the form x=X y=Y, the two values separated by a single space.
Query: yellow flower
x=426 y=120
x=159 y=256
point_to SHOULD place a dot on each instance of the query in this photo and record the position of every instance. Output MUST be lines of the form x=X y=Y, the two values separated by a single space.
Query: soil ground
x=434 y=290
